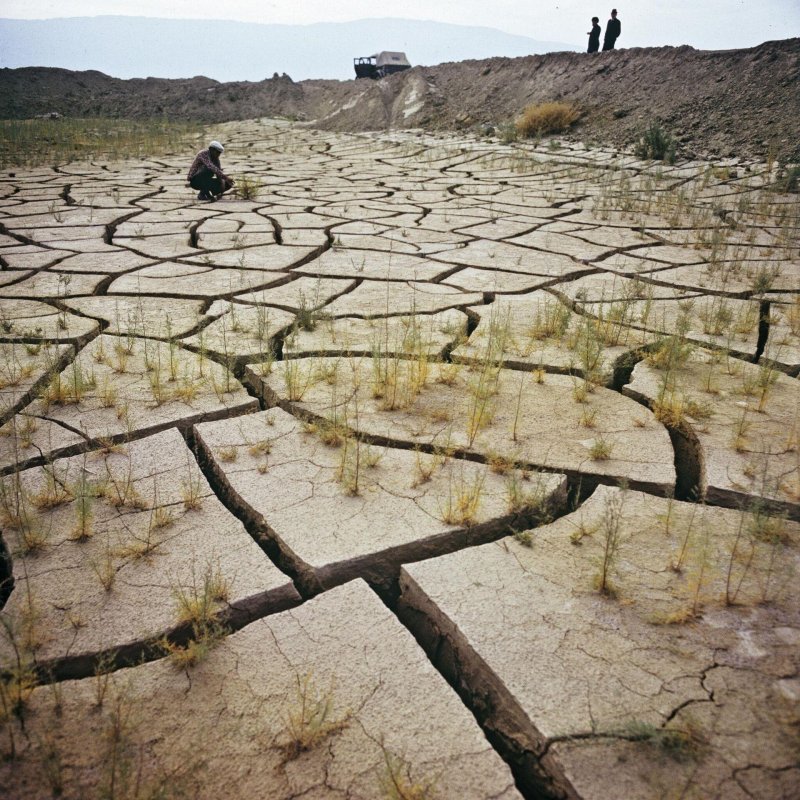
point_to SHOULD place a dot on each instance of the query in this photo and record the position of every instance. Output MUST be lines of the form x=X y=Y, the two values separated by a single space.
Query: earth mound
x=721 y=103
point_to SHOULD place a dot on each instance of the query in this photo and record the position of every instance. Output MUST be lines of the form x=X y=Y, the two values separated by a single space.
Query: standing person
x=206 y=174
x=613 y=30
x=594 y=36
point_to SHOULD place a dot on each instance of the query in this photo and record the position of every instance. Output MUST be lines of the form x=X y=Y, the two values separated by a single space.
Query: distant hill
x=139 y=47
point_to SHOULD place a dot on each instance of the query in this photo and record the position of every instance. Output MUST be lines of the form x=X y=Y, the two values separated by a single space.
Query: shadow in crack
x=6 y=573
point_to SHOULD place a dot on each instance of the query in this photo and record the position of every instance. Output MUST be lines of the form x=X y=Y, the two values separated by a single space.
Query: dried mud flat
x=440 y=469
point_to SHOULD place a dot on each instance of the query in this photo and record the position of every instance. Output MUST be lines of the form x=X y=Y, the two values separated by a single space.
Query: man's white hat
x=217 y=146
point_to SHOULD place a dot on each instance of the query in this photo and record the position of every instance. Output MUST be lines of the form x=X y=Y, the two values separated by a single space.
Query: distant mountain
x=138 y=47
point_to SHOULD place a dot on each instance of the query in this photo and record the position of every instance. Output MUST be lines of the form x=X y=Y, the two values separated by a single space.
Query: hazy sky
x=708 y=24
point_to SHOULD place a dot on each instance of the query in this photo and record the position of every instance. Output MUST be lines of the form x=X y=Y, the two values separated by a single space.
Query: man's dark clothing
x=206 y=181
x=207 y=160
x=613 y=30
x=594 y=39
x=205 y=174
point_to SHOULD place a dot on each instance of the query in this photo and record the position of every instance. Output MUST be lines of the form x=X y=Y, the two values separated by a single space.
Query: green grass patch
x=36 y=142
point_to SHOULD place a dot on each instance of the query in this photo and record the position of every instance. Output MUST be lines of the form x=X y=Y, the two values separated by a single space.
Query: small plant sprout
x=698 y=578
x=120 y=490
x=600 y=449
x=348 y=473
x=84 y=495
x=518 y=405
x=737 y=559
x=298 y=378
x=677 y=565
x=767 y=377
x=192 y=488
x=524 y=494
x=588 y=416
x=19 y=679
x=583 y=529
x=425 y=465
x=666 y=518
x=312 y=718
x=611 y=538
x=248 y=188
x=482 y=391
x=397 y=782
x=198 y=605
x=550 y=321
x=108 y=393
x=463 y=496
x=102 y=677
x=764 y=526
x=16 y=513
x=228 y=454
x=161 y=517
x=104 y=567
x=679 y=744
x=56 y=491
x=49 y=755
x=741 y=427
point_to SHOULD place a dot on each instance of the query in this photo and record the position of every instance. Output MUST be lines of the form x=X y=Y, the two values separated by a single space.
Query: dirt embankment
x=730 y=102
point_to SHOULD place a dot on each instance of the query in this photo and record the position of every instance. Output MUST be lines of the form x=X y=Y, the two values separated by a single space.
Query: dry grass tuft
x=544 y=118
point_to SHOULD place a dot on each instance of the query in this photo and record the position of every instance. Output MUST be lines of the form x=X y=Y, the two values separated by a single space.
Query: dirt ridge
x=724 y=103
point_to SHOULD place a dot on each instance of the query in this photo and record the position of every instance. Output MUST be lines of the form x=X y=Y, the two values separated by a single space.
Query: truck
x=380 y=64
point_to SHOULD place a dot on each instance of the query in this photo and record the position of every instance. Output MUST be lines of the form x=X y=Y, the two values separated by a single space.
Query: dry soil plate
x=436 y=469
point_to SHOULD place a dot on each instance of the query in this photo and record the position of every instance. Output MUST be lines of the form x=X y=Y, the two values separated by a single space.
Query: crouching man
x=206 y=174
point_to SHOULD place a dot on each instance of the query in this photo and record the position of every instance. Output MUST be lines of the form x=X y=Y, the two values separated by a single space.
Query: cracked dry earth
x=440 y=469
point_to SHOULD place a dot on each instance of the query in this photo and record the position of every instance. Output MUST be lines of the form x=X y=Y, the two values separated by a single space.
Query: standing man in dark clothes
x=594 y=36
x=613 y=30
x=206 y=173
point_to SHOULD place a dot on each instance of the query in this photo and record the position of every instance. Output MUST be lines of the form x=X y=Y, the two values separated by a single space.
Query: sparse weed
x=600 y=449
x=670 y=354
x=198 y=605
x=463 y=497
x=424 y=467
x=612 y=537
x=525 y=538
x=191 y=491
x=104 y=568
x=680 y=744
x=311 y=719
x=523 y=494
x=397 y=782
x=84 y=496
x=248 y=188
x=671 y=408
x=550 y=321
x=228 y=454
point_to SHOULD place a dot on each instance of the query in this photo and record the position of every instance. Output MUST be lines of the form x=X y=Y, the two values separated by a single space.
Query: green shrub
x=32 y=142
x=544 y=118
x=507 y=132
x=656 y=144
x=788 y=180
